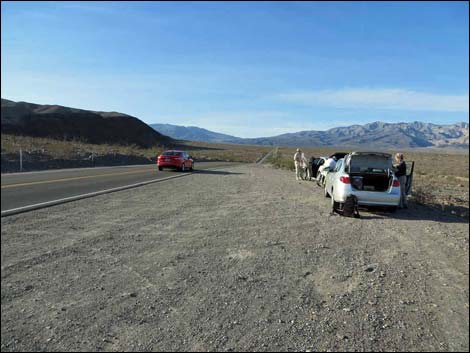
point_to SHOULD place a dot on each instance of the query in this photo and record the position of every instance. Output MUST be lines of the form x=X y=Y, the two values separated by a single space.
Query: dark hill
x=64 y=123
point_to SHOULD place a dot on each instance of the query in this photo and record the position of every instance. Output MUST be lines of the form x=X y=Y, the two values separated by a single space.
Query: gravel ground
x=242 y=259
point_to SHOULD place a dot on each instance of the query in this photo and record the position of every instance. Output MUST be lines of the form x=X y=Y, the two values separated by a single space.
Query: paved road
x=24 y=189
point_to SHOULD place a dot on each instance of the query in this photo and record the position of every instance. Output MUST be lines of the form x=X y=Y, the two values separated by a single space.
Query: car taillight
x=396 y=184
x=345 y=180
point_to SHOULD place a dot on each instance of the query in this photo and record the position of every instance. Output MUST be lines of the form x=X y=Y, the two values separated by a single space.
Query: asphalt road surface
x=24 y=189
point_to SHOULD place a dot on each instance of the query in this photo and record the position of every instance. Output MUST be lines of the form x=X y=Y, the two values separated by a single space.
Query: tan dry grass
x=73 y=149
x=435 y=167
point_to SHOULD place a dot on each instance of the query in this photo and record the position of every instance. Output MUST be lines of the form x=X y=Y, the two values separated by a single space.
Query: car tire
x=160 y=168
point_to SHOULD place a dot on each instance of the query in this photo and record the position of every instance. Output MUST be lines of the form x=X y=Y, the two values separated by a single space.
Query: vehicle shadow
x=215 y=172
x=417 y=212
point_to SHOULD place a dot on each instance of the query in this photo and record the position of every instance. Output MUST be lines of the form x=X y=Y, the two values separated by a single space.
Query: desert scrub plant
x=70 y=149
x=446 y=202
x=73 y=149
x=282 y=161
x=421 y=196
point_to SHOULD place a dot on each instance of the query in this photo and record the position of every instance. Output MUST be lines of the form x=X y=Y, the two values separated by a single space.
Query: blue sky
x=246 y=69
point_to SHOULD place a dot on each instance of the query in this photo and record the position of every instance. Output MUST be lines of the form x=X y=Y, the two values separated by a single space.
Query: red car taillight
x=345 y=180
x=396 y=184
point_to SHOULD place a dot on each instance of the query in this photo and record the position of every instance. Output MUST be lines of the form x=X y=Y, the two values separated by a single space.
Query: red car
x=175 y=159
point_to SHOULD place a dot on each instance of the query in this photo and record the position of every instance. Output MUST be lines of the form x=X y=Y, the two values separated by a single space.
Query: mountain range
x=64 y=123
x=377 y=135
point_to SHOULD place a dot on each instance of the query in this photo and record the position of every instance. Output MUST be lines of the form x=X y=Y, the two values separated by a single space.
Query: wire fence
x=22 y=160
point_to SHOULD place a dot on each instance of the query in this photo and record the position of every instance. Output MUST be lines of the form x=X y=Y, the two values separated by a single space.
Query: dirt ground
x=241 y=259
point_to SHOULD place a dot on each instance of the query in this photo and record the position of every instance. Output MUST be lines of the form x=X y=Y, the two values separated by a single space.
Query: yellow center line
x=75 y=178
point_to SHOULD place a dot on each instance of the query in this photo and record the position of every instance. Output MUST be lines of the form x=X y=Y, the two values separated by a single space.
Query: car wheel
x=160 y=168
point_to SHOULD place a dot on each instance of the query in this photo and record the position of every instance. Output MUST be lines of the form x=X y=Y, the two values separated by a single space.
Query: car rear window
x=171 y=153
x=369 y=164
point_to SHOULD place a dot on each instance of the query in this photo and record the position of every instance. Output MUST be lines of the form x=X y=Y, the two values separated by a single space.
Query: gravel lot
x=241 y=259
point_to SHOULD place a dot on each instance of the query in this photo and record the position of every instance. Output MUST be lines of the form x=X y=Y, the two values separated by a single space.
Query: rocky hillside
x=193 y=133
x=63 y=123
x=377 y=135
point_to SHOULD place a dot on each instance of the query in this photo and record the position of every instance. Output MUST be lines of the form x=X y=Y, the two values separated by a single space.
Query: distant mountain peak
x=377 y=134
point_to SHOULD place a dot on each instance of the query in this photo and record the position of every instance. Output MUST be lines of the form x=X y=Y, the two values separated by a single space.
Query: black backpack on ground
x=350 y=207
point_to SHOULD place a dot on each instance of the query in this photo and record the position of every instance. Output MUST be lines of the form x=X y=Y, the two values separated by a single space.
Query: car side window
x=338 y=166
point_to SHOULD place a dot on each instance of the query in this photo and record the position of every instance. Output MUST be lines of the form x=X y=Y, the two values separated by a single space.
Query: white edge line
x=38 y=206
x=83 y=196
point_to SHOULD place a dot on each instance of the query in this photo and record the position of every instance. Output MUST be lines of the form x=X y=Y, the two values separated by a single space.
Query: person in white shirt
x=332 y=163
x=329 y=163
x=297 y=163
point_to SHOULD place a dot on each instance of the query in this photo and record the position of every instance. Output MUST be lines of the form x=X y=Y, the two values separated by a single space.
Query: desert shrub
x=421 y=196
x=282 y=161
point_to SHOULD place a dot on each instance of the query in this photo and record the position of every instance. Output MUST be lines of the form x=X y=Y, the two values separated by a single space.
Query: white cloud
x=399 y=99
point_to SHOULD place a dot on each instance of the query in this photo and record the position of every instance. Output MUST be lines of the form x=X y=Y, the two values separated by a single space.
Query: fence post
x=21 y=159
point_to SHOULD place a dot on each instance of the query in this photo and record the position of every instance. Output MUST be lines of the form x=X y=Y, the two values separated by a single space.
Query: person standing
x=297 y=163
x=305 y=169
x=330 y=163
x=310 y=167
x=400 y=173
x=328 y=166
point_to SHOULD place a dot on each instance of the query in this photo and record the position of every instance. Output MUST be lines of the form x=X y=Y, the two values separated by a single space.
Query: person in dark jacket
x=310 y=167
x=400 y=173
